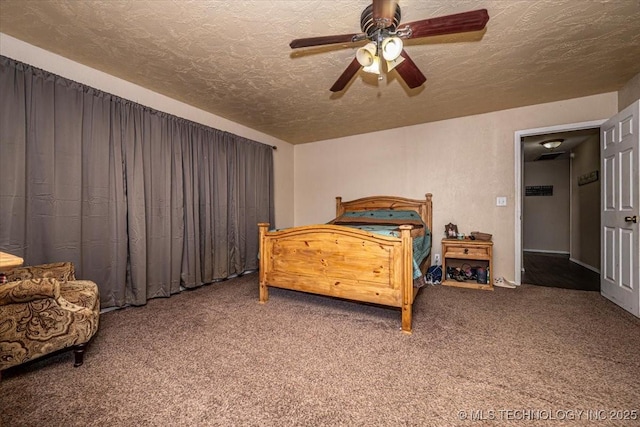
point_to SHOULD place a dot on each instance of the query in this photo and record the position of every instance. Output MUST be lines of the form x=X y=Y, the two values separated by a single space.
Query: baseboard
x=544 y=251
x=587 y=266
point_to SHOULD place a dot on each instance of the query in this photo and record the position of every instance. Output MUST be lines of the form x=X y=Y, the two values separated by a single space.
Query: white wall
x=585 y=205
x=466 y=163
x=546 y=219
x=283 y=156
x=629 y=93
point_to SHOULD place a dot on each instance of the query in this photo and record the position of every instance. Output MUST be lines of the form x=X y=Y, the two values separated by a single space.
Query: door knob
x=633 y=219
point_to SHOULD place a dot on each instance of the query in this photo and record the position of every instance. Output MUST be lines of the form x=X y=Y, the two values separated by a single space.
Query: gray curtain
x=140 y=201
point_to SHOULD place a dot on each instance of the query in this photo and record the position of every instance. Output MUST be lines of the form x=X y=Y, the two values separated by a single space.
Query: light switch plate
x=501 y=201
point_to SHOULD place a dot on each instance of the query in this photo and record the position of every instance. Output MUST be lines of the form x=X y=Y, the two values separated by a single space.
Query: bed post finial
x=339 y=208
x=429 y=212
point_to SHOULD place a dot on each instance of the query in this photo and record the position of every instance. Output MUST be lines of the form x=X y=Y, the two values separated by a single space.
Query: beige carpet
x=215 y=357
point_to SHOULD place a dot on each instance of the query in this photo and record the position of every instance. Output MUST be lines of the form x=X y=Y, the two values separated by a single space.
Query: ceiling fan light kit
x=366 y=54
x=379 y=23
x=391 y=48
x=375 y=67
x=394 y=63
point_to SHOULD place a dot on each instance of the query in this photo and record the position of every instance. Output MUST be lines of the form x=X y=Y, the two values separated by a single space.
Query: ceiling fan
x=380 y=24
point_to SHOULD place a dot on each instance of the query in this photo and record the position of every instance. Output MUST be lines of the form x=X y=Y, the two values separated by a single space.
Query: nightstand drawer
x=466 y=251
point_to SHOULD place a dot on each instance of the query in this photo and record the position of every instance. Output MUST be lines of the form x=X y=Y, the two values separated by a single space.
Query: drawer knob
x=466 y=251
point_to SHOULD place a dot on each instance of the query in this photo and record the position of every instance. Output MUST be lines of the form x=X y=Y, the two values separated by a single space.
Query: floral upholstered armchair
x=44 y=309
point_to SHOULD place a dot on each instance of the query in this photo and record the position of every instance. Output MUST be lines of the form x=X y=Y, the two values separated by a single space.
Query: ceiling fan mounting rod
x=370 y=24
x=379 y=37
x=379 y=34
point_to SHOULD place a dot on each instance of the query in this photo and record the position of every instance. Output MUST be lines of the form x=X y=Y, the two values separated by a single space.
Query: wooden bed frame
x=345 y=262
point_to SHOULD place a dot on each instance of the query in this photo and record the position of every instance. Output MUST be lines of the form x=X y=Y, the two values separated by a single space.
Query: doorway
x=558 y=206
x=558 y=271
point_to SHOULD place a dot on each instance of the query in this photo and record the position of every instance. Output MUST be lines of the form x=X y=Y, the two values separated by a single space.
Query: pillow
x=380 y=217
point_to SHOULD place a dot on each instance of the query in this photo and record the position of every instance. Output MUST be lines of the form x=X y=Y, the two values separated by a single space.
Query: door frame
x=519 y=169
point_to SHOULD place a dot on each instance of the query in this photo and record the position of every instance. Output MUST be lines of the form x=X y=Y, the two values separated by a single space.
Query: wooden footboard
x=340 y=262
x=346 y=262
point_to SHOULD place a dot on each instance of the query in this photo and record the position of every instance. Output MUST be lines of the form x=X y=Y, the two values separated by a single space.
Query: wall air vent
x=550 y=156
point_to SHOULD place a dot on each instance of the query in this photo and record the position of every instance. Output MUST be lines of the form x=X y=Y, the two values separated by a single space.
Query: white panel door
x=620 y=154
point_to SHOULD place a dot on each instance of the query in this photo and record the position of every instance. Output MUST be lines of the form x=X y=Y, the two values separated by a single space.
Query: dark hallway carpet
x=557 y=271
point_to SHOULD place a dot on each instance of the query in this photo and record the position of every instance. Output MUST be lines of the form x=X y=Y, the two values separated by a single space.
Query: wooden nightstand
x=475 y=253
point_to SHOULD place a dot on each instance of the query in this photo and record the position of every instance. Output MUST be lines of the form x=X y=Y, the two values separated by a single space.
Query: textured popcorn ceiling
x=232 y=58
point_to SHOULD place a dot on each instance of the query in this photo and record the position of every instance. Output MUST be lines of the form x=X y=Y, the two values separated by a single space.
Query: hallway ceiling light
x=552 y=143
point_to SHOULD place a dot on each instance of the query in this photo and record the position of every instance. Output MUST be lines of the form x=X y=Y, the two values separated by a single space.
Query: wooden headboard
x=422 y=207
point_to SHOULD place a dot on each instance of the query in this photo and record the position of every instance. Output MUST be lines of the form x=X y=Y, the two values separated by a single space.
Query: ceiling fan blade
x=383 y=12
x=346 y=76
x=319 y=41
x=410 y=72
x=474 y=20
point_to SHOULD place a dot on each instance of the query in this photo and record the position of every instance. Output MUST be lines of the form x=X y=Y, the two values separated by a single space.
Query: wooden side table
x=476 y=253
x=9 y=261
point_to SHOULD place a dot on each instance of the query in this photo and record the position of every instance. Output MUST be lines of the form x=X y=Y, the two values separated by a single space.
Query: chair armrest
x=23 y=291
x=62 y=271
